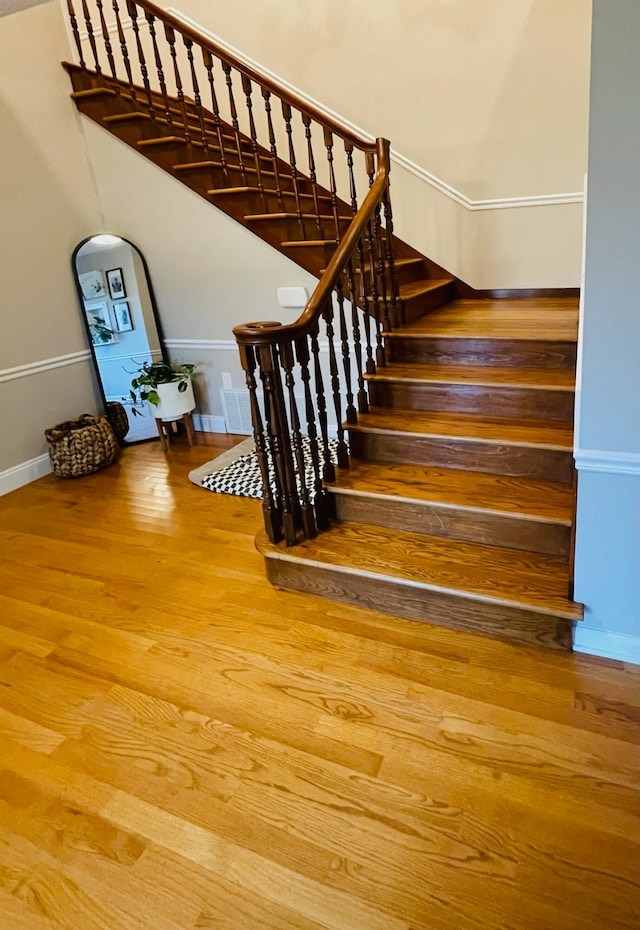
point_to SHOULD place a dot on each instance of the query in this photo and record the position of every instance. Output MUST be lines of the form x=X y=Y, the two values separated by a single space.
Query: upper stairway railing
x=260 y=139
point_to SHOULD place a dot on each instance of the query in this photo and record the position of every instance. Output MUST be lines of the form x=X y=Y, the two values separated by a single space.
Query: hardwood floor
x=184 y=747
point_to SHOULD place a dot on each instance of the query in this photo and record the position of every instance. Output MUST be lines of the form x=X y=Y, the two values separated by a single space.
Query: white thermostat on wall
x=294 y=298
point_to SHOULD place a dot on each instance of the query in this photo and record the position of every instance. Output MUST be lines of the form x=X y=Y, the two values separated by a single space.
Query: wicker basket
x=117 y=416
x=81 y=446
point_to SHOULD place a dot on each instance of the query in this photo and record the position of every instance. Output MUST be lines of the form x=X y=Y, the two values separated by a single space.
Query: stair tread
x=544 y=319
x=308 y=242
x=208 y=164
x=451 y=487
x=424 y=286
x=503 y=576
x=294 y=216
x=468 y=426
x=399 y=263
x=558 y=379
x=270 y=192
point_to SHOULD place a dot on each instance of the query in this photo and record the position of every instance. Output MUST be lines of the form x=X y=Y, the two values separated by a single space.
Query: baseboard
x=205 y=423
x=16 y=477
x=619 y=646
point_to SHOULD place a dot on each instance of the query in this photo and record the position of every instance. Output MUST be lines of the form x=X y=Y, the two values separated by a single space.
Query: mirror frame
x=85 y=322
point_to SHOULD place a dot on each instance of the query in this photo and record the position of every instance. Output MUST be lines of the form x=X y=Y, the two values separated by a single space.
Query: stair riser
x=290 y=229
x=497 y=353
x=416 y=603
x=472 y=455
x=454 y=523
x=487 y=401
x=416 y=307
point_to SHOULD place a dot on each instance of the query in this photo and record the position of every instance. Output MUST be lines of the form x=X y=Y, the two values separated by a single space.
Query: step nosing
x=360 y=572
x=442 y=382
x=446 y=505
x=520 y=443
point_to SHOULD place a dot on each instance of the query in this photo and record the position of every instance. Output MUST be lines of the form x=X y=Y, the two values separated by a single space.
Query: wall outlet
x=294 y=298
x=226 y=381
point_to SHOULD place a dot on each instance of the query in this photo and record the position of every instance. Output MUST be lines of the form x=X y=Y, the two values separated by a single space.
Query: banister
x=264 y=333
x=265 y=82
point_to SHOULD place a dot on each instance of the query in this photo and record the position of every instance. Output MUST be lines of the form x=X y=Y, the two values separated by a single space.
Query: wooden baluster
x=76 y=33
x=123 y=48
x=234 y=121
x=270 y=512
x=343 y=452
x=266 y=94
x=133 y=15
x=367 y=299
x=312 y=174
x=150 y=18
x=393 y=279
x=170 y=36
x=351 y=413
x=286 y=112
x=328 y=142
x=306 y=508
x=384 y=304
x=248 y=89
x=105 y=38
x=188 y=44
x=363 y=404
x=320 y=500
x=92 y=38
x=369 y=166
x=353 y=194
x=208 y=63
x=328 y=468
x=376 y=299
x=280 y=440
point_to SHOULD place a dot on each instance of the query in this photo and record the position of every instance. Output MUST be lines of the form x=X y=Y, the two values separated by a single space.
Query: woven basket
x=81 y=446
x=117 y=416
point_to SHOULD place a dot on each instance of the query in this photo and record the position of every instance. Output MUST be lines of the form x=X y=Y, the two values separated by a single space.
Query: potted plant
x=166 y=387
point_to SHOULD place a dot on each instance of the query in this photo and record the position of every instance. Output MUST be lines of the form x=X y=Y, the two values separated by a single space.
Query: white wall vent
x=237 y=411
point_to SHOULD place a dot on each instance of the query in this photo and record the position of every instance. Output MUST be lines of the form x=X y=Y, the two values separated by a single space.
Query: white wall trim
x=608 y=463
x=18 y=475
x=496 y=203
x=619 y=646
x=208 y=344
x=206 y=423
x=46 y=364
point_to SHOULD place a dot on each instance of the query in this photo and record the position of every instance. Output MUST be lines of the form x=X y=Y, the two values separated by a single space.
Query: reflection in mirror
x=120 y=316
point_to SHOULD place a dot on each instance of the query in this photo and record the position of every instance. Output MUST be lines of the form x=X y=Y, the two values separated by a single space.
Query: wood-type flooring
x=184 y=747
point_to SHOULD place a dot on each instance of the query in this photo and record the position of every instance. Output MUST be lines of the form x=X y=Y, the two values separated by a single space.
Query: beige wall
x=489 y=95
x=48 y=204
x=496 y=106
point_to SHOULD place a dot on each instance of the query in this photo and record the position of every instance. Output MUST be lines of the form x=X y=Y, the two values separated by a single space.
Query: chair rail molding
x=612 y=463
x=495 y=203
x=45 y=364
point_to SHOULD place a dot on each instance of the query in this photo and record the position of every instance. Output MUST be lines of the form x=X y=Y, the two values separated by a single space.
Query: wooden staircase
x=451 y=497
x=458 y=505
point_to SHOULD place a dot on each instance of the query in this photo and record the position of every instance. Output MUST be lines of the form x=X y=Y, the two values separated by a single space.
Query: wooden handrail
x=265 y=333
x=282 y=93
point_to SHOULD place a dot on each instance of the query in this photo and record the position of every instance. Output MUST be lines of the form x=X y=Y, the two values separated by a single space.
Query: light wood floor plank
x=184 y=747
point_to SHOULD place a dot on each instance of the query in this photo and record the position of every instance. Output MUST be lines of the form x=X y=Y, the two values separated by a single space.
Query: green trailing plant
x=101 y=333
x=151 y=374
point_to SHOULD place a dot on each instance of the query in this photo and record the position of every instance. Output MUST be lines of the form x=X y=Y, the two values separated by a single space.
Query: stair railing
x=312 y=373
x=253 y=132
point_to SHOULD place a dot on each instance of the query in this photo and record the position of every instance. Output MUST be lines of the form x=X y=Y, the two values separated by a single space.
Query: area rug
x=236 y=471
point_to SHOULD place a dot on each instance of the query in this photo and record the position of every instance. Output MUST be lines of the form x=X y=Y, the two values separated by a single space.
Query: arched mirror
x=121 y=318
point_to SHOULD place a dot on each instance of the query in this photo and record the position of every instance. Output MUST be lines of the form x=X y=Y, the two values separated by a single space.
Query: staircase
x=449 y=494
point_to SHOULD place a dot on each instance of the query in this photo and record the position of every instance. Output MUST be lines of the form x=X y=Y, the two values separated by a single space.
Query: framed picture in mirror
x=92 y=285
x=116 y=284
x=99 y=320
x=122 y=313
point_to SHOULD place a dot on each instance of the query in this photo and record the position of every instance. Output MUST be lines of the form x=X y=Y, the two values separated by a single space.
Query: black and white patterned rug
x=242 y=477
